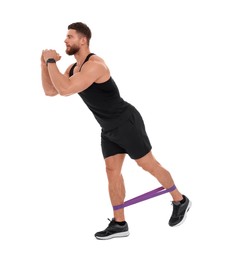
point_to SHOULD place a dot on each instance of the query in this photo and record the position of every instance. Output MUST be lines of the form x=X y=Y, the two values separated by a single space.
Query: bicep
x=84 y=79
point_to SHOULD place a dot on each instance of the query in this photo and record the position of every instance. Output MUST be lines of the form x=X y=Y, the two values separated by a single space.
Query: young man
x=123 y=130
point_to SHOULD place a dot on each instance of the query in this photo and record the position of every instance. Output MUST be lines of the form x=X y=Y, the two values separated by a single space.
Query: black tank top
x=104 y=101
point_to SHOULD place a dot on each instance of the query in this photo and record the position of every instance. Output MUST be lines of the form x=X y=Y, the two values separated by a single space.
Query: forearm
x=47 y=84
x=60 y=82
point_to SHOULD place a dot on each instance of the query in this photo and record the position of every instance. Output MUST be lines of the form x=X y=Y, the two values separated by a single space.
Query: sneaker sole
x=121 y=234
x=185 y=215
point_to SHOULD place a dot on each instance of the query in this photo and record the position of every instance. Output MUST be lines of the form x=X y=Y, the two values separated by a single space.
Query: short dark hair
x=81 y=28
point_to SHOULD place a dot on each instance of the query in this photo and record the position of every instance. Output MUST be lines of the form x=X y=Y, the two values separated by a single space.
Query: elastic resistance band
x=151 y=194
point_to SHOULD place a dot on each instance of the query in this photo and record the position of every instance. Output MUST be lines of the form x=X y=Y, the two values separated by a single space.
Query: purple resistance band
x=145 y=196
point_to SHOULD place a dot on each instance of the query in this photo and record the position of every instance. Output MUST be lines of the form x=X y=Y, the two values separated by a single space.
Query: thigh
x=113 y=166
x=115 y=162
x=148 y=162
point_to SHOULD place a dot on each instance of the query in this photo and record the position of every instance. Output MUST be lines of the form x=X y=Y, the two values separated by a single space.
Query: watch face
x=51 y=60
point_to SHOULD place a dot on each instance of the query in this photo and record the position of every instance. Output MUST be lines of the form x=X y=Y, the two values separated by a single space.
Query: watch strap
x=50 y=60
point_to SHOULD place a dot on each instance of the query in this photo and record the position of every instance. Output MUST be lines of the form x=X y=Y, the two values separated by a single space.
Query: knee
x=110 y=169
x=113 y=166
x=113 y=173
x=149 y=165
x=145 y=166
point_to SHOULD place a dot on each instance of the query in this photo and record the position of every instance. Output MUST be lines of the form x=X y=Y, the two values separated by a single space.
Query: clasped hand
x=47 y=54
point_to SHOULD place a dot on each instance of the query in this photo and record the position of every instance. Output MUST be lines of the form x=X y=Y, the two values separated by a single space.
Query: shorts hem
x=137 y=157
x=112 y=154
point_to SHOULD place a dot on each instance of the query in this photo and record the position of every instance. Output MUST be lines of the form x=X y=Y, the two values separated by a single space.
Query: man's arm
x=48 y=87
x=80 y=81
x=64 y=85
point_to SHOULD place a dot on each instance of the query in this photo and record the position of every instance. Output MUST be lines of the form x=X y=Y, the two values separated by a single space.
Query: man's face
x=72 y=42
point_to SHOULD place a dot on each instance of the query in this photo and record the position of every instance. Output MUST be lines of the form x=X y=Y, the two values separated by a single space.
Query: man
x=123 y=130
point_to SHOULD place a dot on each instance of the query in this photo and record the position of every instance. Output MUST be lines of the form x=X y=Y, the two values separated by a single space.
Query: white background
x=169 y=60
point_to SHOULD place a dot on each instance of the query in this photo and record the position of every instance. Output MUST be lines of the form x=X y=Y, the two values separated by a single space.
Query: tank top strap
x=74 y=65
x=87 y=58
x=71 y=70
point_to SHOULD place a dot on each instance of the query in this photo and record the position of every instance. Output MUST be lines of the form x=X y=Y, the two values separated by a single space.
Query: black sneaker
x=113 y=230
x=179 y=212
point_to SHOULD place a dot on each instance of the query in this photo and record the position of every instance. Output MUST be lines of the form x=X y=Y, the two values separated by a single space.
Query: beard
x=72 y=50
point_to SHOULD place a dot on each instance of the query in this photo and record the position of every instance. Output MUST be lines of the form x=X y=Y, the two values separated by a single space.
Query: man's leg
x=116 y=183
x=117 y=227
x=151 y=165
x=181 y=204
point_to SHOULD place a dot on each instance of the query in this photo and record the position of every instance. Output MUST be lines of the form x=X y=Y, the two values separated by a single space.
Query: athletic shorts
x=129 y=138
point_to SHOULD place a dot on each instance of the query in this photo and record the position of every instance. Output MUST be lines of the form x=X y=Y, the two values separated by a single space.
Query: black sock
x=121 y=223
x=183 y=200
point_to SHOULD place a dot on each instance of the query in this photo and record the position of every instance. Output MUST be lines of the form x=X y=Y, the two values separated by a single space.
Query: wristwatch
x=50 y=60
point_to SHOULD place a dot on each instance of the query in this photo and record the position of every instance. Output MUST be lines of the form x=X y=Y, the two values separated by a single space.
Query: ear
x=83 y=40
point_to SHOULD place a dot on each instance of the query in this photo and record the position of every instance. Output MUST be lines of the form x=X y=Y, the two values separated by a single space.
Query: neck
x=81 y=56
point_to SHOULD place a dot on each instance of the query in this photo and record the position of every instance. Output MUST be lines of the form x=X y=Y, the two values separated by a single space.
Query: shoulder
x=96 y=58
x=97 y=66
x=96 y=62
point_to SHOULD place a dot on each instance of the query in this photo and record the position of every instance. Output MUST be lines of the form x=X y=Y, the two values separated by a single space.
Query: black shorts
x=130 y=138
